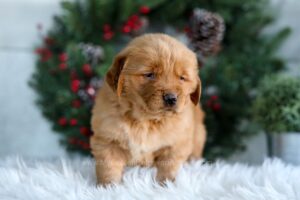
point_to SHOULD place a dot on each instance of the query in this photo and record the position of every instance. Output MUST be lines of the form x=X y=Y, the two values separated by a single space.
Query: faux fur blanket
x=75 y=180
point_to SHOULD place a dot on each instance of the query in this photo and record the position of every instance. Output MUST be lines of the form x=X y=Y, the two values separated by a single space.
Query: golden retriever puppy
x=147 y=113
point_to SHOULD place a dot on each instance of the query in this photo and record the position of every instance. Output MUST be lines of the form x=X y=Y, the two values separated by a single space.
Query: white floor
x=66 y=179
x=22 y=129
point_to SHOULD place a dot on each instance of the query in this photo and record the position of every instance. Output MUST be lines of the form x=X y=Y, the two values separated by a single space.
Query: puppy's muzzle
x=170 y=99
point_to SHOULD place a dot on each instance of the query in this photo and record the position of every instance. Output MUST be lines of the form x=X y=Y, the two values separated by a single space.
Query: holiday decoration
x=144 y=10
x=76 y=53
x=206 y=33
x=63 y=57
x=62 y=121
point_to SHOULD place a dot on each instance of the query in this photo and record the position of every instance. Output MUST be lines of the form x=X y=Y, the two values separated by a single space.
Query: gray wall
x=23 y=131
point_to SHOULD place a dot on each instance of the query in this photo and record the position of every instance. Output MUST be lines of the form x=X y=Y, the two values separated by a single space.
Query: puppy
x=147 y=113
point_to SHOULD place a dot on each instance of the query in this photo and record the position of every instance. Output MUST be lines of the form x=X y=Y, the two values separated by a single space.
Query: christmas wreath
x=78 y=49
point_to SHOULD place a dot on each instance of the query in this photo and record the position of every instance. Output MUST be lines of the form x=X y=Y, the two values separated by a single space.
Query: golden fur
x=132 y=124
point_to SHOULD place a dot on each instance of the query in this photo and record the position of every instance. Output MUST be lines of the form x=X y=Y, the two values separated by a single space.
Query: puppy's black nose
x=170 y=99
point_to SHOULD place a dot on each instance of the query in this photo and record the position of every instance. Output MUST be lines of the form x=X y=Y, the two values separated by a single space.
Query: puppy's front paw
x=107 y=182
x=162 y=177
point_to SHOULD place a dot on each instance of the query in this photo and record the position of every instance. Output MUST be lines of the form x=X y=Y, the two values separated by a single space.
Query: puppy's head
x=156 y=73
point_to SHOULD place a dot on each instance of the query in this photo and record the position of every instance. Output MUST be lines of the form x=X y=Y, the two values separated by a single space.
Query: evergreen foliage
x=277 y=106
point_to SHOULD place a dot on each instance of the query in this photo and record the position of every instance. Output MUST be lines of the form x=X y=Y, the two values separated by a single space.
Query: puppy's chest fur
x=143 y=138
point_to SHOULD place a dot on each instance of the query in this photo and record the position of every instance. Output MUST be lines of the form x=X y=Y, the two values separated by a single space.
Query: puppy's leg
x=110 y=162
x=168 y=161
x=109 y=170
x=199 y=134
x=199 y=142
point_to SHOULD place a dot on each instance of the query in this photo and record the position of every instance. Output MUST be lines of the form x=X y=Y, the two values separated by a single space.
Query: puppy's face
x=156 y=73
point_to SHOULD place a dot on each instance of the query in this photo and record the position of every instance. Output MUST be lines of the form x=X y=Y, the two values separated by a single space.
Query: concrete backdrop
x=23 y=130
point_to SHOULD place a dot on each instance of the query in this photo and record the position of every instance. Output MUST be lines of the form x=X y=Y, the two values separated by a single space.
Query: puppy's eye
x=150 y=76
x=182 y=78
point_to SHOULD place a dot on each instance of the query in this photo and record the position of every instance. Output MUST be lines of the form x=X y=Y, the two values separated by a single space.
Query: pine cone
x=206 y=32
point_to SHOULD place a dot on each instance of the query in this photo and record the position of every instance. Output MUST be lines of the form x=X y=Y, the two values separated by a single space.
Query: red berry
x=216 y=107
x=39 y=50
x=83 y=144
x=214 y=97
x=76 y=103
x=63 y=57
x=87 y=70
x=130 y=23
x=84 y=131
x=108 y=35
x=144 y=10
x=62 y=66
x=75 y=84
x=126 y=29
x=134 y=18
x=45 y=53
x=137 y=26
x=73 y=122
x=187 y=30
x=62 y=121
x=106 y=28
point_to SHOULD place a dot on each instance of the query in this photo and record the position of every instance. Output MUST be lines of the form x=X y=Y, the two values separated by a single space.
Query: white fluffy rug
x=75 y=180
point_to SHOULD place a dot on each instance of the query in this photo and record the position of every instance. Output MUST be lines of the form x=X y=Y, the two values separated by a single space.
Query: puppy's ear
x=195 y=96
x=113 y=76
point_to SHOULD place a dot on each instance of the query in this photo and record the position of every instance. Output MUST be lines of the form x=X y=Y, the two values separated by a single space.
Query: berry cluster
x=107 y=32
x=132 y=25
x=214 y=103
x=44 y=53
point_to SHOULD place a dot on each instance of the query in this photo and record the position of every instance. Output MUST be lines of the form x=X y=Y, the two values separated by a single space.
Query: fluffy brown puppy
x=147 y=113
